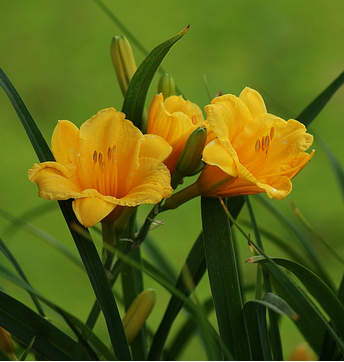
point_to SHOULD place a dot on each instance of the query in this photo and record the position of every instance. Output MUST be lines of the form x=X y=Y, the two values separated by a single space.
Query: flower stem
x=109 y=238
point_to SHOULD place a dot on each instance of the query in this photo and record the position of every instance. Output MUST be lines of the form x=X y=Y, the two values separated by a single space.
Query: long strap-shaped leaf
x=136 y=94
x=86 y=248
x=224 y=279
x=196 y=266
x=24 y=323
x=313 y=109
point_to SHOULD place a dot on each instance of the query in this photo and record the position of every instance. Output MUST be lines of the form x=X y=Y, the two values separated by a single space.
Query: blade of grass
x=314 y=108
x=25 y=324
x=223 y=278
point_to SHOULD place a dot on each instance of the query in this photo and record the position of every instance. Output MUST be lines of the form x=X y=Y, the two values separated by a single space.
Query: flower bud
x=6 y=343
x=123 y=61
x=190 y=162
x=166 y=85
x=137 y=313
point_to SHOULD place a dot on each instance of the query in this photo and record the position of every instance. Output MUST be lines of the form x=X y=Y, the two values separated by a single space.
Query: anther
x=263 y=143
x=95 y=156
x=100 y=158
x=109 y=153
x=272 y=132
x=103 y=166
x=257 y=147
x=194 y=119
x=267 y=142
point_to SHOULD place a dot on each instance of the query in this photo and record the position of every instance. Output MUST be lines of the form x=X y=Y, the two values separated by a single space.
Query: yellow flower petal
x=155 y=147
x=178 y=104
x=253 y=101
x=91 y=210
x=216 y=155
x=55 y=181
x=65 y=142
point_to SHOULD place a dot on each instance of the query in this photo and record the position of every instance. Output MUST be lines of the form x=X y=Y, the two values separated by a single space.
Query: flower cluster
x=109 y=164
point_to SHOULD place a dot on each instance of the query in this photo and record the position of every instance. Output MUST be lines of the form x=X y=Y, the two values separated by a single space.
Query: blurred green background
x=56 y=53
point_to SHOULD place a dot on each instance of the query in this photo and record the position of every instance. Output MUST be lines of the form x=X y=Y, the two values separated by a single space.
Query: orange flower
x=174 y=120
x=255 y=151
x=106 y=165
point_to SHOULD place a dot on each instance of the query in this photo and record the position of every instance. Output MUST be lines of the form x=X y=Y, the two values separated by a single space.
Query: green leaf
x=25 y=324
x=223 y=278
x=313 y=109
x=255 y=315
x=326 y=298
x=184 y=334
x=311 y=322
x=99 y=281
x=195 y=264
x=196 y=267
x=37 y=140
x=315 y=261
x=136 y=94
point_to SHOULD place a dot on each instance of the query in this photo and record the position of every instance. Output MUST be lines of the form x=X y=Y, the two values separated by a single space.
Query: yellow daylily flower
x=255 y=151
x=106 y=165
x=174 y=119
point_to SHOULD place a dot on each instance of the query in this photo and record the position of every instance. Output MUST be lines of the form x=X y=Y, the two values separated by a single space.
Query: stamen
x=267 y=142
x=100 y=158
x=103 y=166
x=257 y=147
x=263 y=143
x=272 y=133
x=109 y=153
x=95 y=156
x=194 y=119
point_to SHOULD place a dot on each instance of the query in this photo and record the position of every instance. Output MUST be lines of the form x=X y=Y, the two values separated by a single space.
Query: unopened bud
x=137 y=313
x=166 y=85
x=190 y=160
x=123 y=61
x=6 y=343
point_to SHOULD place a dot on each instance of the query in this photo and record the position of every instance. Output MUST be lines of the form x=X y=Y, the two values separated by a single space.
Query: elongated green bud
x=190 y=160
x=166 y=85
x=123 y=61
x=137 y=313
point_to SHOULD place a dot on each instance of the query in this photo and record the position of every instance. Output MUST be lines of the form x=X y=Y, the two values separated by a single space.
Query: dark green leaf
x=311 y=323
x=255 y=315
x=311 y=111
x=223 y=278
x=25 y=324
x=136 y=94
